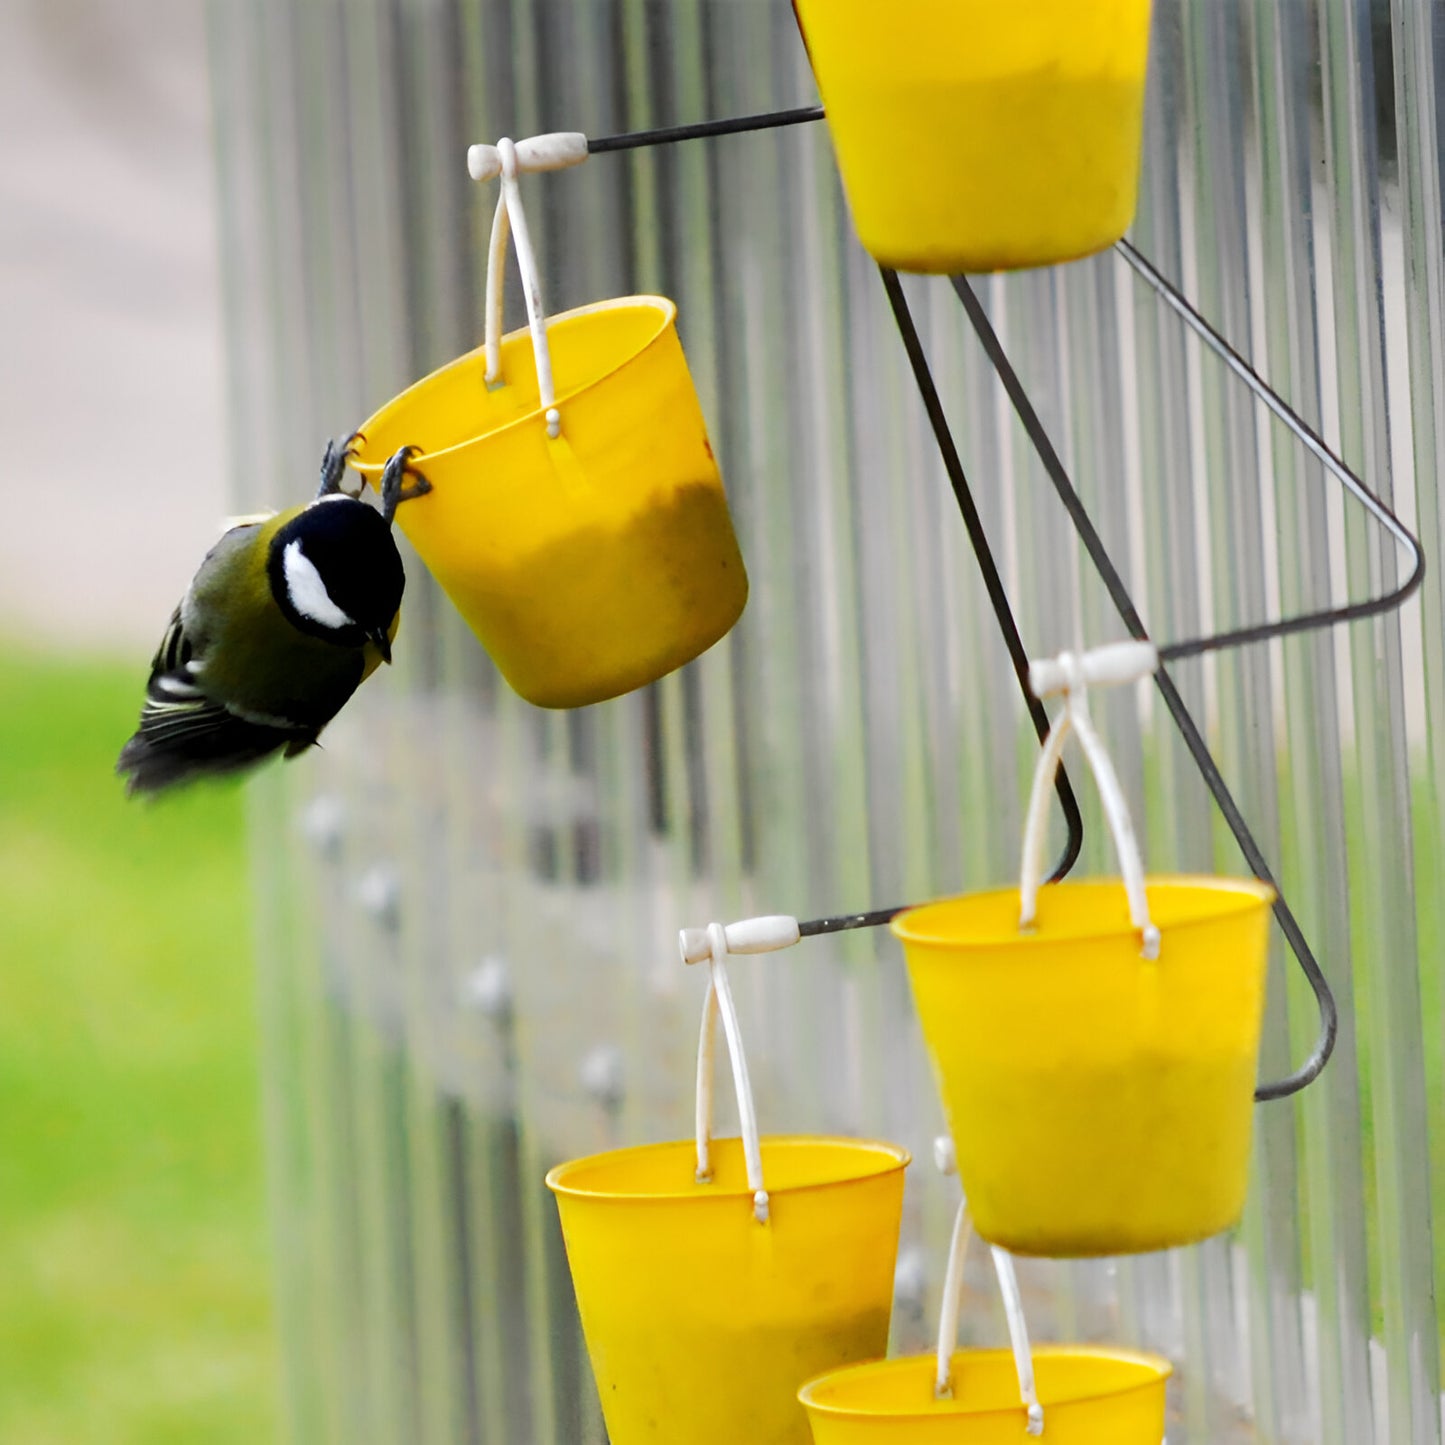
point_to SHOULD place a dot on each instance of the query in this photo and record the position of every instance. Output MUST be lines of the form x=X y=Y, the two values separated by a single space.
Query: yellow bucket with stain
x=1091 y=1396
x=1100 y=1102
x=701 y=1322
x=975 y=135
x=590 y=563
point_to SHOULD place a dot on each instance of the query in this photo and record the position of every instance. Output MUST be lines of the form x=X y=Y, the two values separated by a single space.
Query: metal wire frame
x=1114 y=584
x=1183 y=719
x=1171 y=296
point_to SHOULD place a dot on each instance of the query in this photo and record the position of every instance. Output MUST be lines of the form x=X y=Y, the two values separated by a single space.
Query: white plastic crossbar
x=555 y=151
x=749 y=935
x=1112 y=665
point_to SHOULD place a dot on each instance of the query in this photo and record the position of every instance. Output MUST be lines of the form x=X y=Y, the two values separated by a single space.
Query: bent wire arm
x=978 y=539
x=1175 y=299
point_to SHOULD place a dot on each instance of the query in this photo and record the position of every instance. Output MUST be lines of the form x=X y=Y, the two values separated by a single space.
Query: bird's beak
x=381 y=642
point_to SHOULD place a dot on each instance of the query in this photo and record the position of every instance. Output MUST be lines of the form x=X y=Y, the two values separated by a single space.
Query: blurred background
x=134 y=1269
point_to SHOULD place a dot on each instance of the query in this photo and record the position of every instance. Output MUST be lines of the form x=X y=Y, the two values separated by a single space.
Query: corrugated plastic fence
x=468 y=906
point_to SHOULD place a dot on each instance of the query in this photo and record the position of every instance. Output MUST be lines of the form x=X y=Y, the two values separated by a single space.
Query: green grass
x=134 y=1276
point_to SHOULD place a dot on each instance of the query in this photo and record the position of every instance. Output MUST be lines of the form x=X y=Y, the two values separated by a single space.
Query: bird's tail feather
x=152 y=764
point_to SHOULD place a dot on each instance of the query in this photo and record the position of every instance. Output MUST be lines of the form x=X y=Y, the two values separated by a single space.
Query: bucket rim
x=1248 y=893
x=898 y=1158
x=1159 y=1367
x=643 y=301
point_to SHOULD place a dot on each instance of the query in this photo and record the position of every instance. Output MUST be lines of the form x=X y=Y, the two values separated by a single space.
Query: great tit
x=284 y=620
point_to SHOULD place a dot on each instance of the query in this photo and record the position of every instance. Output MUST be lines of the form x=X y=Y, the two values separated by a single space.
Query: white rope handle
x=1071 y=675
x=720 y=1001
x=1013 y=1308
x=1008 y=1285
x=496 y=279
x=509 y=159
x=952 y=1303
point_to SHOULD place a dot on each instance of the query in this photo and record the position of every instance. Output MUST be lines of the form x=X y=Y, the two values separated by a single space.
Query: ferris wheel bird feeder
x=1095 y=1043
x=576 y=516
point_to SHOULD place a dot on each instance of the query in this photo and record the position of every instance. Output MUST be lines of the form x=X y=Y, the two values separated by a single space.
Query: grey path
x=110 y=368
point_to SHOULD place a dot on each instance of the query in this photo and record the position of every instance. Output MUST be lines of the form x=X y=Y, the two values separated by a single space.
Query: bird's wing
x=176 y=649
x=175 y=706
x=179 y=741
x=177 y=703
x=184 y=733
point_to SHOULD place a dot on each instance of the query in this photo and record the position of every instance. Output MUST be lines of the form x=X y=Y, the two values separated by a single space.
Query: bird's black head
x=335 y=572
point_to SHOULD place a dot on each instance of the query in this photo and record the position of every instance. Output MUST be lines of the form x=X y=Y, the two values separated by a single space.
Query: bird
x=284 y=619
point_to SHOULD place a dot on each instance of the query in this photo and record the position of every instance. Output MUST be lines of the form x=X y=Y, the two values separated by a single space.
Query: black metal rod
x=1193 y=739
x=978 y=539
x=1315 y=445
x=838 y=924
x=665 y=135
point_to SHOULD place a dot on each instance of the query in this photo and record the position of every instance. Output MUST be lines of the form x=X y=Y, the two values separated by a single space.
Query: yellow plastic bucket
x=1091 y=1396
x=1066 y=1394
x=715 y=1277
x=1100 y=1102
x=576 y=516
x=1095 y=1042
x=701 y=1322
x=975 y=135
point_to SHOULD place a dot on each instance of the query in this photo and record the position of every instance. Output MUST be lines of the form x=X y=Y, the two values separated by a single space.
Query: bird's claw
x=393 y=477
x=334 y=464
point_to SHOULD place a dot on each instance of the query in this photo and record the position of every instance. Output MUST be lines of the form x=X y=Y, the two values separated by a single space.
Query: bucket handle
x=509 y=159
x=1071 y=674
x=719 y=1000
x=1013 y=1309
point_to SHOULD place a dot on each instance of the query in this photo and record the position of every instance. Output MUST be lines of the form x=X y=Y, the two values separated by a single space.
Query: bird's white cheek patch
x=308 y=592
